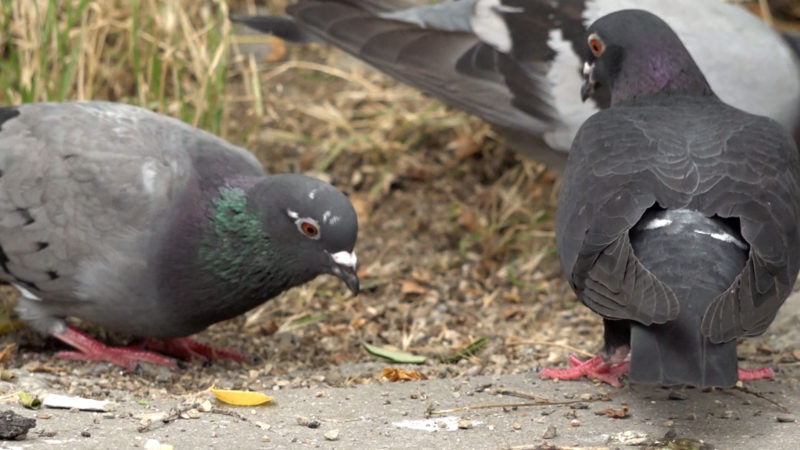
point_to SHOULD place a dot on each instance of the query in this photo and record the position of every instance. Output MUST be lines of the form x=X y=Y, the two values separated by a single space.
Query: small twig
x=163 y=418
x=762 y=397
x=518 y=341
x=547 y=446
x=486 y=406
x=305 y=65
x=605 y=396
x=539 y=401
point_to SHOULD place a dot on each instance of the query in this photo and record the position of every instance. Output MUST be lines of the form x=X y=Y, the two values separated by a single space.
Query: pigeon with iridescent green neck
x=146 y=226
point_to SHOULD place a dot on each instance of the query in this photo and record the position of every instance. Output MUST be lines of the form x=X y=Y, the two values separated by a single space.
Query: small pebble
x=307 y=422
x=205 y=406
x=574 y=423
x=473 y=371
x=516 y=426
x=85 y=433
x=677 y=395
x=464 y=424
x=669 y=423
x=786 y=418
x=586 y=397
x=550 y=432
x=332 y=435
x=727 y=414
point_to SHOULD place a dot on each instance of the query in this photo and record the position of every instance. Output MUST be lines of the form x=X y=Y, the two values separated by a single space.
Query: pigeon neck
x=659 y=74
x=218 y=255
x=235 y=250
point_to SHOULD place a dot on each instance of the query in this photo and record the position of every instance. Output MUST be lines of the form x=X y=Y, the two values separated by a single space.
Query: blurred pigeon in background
x=678 y=215
x=517 y=63
x=144 y=225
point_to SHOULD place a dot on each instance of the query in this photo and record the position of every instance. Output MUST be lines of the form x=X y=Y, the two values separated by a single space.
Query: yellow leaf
x=240 y=398
x=393 y=374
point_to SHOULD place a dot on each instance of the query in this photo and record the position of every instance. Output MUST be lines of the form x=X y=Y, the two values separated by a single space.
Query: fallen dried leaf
x=796 y=354
x=240 y=398
x=411 y=287
x=6 y=352
x=512 y=313
x=357 y=322
x=621 y=413
x=393 y=375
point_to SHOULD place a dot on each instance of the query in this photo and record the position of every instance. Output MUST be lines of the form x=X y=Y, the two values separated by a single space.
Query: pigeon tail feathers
x=698 y=257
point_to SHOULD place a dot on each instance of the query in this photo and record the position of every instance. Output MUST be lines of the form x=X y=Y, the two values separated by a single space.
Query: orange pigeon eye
x=596 y=45
x=309 y=229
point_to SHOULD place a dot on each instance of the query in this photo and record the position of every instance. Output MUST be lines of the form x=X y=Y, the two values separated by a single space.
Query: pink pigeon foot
x=188 y=349
x=756 y=374
x=90 y=349
x=593 y=368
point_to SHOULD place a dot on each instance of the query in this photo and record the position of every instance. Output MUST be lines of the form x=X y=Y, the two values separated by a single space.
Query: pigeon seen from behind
x=678 y=215
x=146 y=226
x=516 y=64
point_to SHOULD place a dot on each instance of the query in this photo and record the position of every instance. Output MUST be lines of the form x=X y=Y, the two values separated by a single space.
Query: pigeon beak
x=588 y=82
x=343 y=266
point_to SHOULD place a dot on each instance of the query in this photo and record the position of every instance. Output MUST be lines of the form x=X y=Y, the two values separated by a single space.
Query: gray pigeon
x=144 y=225
x=516 y=63
x=678 y=215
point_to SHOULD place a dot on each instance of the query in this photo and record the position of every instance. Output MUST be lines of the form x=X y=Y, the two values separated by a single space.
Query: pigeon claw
x=756 y=374
x=594 y=368
x=151 y=351
x=90 y=349
x=190 y=350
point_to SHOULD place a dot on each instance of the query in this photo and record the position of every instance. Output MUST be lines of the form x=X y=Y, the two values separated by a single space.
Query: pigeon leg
x=189 y=349
x=90 y=349
x=756 y=374
x=595 y=368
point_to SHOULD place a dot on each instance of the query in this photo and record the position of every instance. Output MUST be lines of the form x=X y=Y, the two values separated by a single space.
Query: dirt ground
x=455 y=244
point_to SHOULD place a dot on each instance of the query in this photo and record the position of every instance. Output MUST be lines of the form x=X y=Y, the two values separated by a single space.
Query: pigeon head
x=634 y=53
x=311 y=225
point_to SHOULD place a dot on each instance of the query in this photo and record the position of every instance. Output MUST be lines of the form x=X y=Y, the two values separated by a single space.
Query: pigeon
x=677 y=219
x=144 y=225
x=516 y=63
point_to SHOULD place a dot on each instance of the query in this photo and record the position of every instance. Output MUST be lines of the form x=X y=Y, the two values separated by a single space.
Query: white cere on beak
x=345 y=258
x=587 y=69
x=292 y=214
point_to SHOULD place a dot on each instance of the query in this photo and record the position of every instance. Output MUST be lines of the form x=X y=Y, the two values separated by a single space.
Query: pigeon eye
x=309 y=228
x=596 y=45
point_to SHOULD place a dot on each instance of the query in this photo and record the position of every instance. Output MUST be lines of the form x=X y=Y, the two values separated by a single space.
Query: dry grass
x=169 y=56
